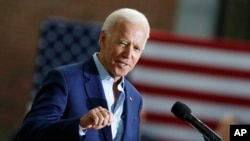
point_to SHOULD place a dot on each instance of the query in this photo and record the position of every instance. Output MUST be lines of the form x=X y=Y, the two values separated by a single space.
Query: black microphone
x=183 y=112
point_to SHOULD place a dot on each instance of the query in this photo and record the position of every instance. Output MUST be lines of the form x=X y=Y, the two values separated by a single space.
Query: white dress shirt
x=115 y=108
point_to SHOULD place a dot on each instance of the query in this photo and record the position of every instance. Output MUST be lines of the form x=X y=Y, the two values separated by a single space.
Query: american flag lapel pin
x=130 y=98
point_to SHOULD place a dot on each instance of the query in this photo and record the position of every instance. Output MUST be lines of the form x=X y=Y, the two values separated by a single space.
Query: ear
x=102 y=38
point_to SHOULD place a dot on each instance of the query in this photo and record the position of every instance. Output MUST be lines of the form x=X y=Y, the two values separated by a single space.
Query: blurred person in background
x=92 y=100
x=223 y=126
x=144 y=135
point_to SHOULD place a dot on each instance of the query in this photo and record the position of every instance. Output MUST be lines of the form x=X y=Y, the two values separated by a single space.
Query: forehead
x=130 y=30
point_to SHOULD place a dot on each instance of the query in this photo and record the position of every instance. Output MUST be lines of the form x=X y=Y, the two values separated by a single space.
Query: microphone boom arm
x=207 y=133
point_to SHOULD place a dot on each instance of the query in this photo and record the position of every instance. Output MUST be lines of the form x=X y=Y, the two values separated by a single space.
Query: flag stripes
x=211 y=76
x=187 y=94
x=201 y=69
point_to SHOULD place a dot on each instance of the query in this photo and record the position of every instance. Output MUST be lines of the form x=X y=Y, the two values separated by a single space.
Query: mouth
x=123 y=64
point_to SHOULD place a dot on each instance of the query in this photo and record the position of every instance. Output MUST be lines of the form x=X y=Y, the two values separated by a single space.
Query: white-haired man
x=92 y=100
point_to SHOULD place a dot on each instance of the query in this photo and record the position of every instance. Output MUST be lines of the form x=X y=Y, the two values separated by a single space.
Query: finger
x=89 y=119
x=97 y=117
x=105 y=115
x=94 y=116
x=109 y=117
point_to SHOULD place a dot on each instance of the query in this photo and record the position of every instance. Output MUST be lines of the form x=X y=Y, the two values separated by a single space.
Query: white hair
x=125 y=14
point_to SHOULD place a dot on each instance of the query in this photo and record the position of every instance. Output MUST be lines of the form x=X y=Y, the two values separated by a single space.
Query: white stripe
x=191 y=81
x=196 y=55
x=203 y=110
x=172 y=132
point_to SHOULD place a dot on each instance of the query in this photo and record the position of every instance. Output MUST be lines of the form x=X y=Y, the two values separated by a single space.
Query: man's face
x=121 y=51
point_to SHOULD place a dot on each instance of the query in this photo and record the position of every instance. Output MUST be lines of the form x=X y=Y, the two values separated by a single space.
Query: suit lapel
x=95 y=92
x=129 y=112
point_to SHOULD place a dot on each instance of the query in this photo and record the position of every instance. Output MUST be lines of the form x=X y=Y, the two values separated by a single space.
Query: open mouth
x=122 y=63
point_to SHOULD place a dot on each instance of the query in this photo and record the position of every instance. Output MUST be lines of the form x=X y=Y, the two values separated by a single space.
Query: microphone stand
x=207 y=133
x=205 y=138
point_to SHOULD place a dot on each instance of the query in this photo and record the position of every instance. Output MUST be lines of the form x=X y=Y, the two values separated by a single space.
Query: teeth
x=123 y=64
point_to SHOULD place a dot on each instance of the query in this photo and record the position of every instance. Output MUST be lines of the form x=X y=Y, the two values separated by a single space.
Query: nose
x=128 y=51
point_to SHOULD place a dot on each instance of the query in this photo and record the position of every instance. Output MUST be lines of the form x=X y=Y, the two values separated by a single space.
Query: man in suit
x=92 y=100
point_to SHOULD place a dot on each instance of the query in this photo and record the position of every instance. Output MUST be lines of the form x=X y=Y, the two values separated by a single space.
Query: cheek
x=136 y=57
x=135 y=60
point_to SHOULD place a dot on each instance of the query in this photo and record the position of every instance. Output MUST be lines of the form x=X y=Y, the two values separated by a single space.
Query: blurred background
x=20 y=23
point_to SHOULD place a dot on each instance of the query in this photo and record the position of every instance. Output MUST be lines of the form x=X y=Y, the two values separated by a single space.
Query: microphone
x=183 y=112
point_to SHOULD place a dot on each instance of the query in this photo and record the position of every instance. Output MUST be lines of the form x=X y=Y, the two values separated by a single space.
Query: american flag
x=211 y=76
x=62 y=42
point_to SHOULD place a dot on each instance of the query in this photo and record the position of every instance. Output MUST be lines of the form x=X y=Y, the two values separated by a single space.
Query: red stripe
x=201 y=69
x=219 y=44
x=169 y=119
x=193 y=95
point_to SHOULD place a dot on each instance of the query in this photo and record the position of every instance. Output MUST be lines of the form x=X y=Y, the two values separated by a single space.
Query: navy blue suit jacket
x=68 y=93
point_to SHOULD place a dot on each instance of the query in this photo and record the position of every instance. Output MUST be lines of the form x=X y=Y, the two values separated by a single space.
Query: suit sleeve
x=44 y=122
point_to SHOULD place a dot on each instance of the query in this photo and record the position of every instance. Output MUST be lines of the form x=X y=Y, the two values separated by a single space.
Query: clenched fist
x=97 y=118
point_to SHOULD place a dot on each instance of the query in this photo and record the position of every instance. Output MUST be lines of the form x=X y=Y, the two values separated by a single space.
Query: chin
x=121 y=74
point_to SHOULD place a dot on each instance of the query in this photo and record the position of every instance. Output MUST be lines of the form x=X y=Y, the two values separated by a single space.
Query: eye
x=137 y=49
x=123 y=44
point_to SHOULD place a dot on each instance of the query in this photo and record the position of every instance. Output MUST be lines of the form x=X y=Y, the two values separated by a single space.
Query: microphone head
x=181 y=110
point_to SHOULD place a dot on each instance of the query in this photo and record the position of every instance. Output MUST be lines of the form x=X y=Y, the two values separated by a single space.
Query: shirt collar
x=105 y=75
